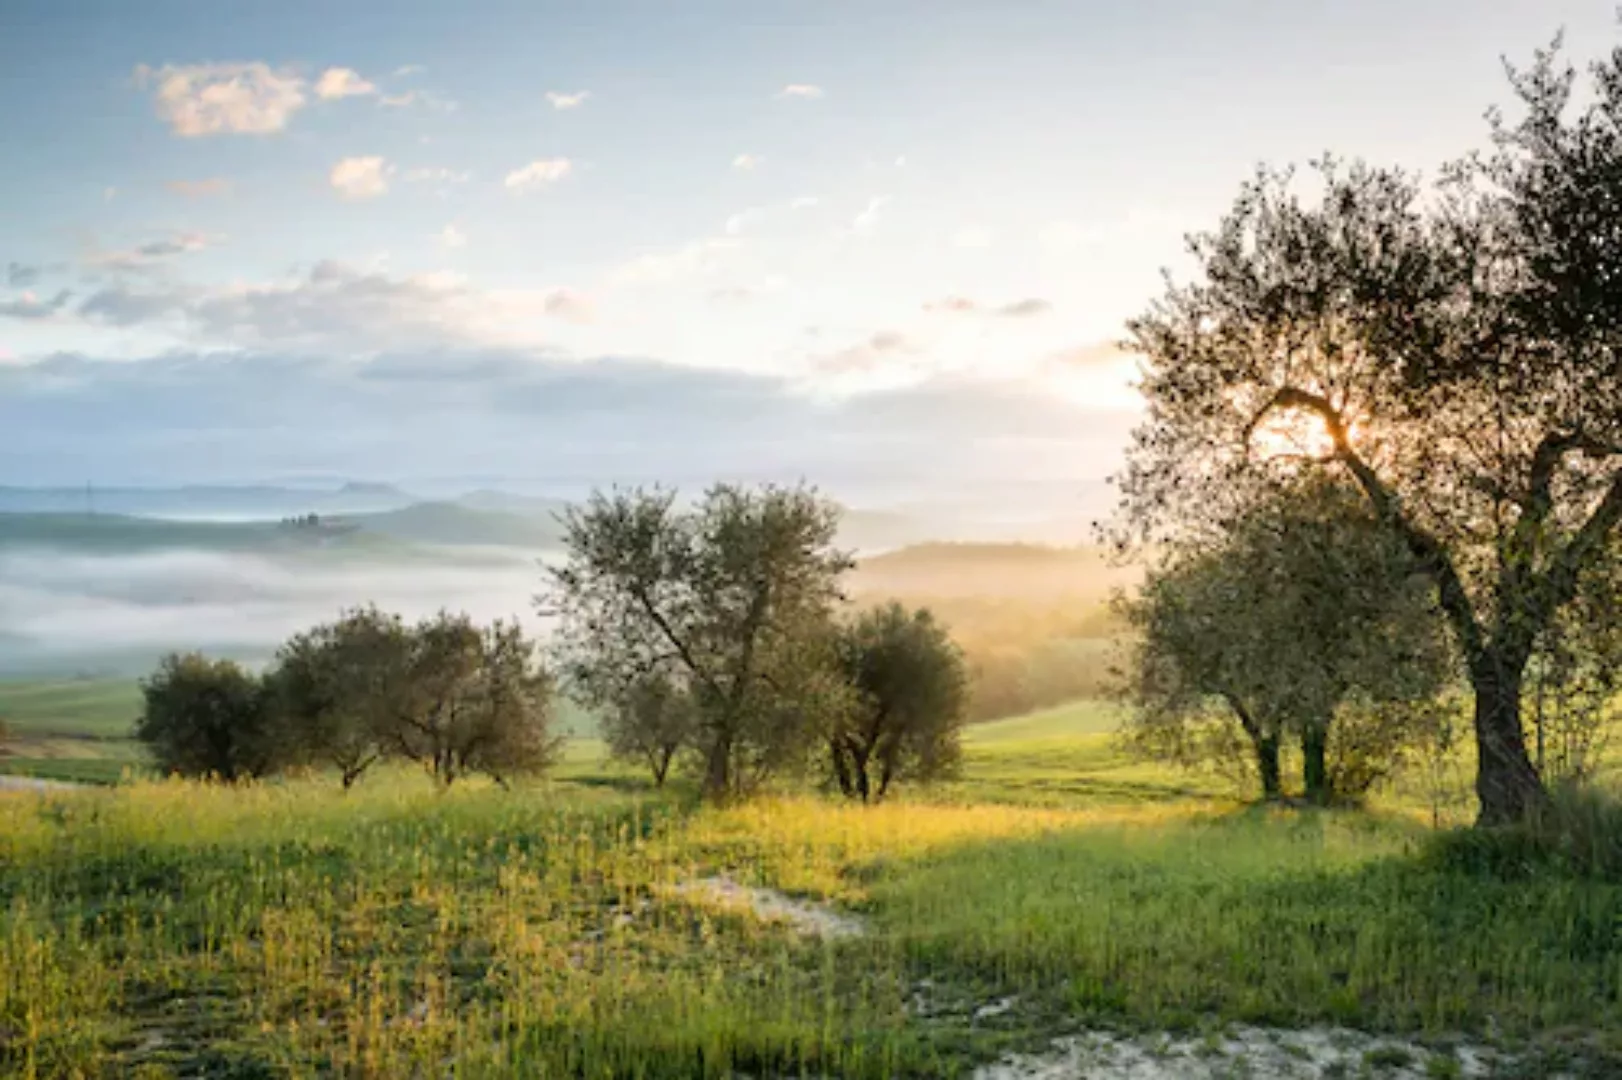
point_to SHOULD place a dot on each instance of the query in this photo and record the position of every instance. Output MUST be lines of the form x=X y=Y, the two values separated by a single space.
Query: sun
x=1291 y=433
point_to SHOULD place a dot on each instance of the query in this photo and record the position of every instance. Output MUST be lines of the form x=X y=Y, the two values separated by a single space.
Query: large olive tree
x=1452 y=349
x=733 y=595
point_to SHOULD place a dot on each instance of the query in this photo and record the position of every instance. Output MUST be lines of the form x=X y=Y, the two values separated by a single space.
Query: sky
x=885 y=246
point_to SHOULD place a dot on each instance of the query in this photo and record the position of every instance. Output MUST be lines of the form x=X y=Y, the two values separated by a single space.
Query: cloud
x=538 y=174
x=29 y=306
x=436 y=174
x=562 y=100
x=1018 y=309
x=698 y=259
x=20 y=276
x=199 y=189
x=1096 y=355
x=430 y=101
x=974 y=236
x=563 y=423
x=338 y=308
x=143 y=256
x=452 y=237
x=865 y=357
x=569 y=305
x=803 y=202
x=339 y=82
x=869 y=217
x=807 y=91
x=108 y=194
x=743 y=219
x=408 y=69
x=747 y=162
x=223 y=98
x=361 y=177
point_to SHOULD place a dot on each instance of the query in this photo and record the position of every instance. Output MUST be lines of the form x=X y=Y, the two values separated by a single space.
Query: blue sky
x=860 y=241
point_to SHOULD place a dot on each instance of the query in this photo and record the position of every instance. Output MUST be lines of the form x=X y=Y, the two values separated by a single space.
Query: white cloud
x=200 y=189
x=974 y=237
x=1017 y=309
x=108 y=194
x=803 y=202
x=361 y=177
x=869 y=217
x=436 y=175
x=901 y=161
x=538 y=174
x=341 y=82
x=698 y=259
x=562 y=100
x=742 y=220
x=801 y=90
x=569 y=305
x=342 y=308
x=142 y=256
x=880 y=349
x=408 y=69
x=746 y=161
x=452 y=237
x=397 y=101
x=223 y=98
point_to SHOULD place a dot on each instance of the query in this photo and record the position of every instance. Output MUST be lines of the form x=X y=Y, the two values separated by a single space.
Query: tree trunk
x=1506 y=783
x=847 y=786
x=1267 y=765
x=718 y=770
x=1315 y=764
x=860 y=760
x=661 y=766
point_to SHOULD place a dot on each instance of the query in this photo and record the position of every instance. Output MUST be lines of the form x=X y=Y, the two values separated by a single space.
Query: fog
x=117 y=614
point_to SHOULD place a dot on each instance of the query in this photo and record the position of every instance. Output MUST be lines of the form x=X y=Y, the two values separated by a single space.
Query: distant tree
x=735 y=593
x=207 y=718
x=650 y=721
x=338 y=688
x=910 y=690
x=1452 y=352
x=1303 y=620
x=472 y=700
x=1574 y=677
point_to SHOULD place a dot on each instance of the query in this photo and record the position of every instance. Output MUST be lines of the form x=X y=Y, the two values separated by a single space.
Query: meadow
x=586 y=925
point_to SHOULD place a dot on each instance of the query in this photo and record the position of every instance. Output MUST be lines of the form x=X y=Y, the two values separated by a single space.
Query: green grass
x=85 y=708
x=167 y=929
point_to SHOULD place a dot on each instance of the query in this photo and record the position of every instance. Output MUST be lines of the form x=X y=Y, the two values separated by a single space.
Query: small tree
x=910 y=691
x=735 y=594
x=473 y=700
x=207 y=718
x=337 y=689
x=1304 y=618
x=651 y=721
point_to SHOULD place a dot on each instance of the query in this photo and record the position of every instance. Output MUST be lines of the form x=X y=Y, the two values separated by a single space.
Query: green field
x=172 y=929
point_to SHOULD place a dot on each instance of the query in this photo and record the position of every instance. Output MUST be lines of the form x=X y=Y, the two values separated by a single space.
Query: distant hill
x=205 y=503
x=454 y=524
x=1023 y=571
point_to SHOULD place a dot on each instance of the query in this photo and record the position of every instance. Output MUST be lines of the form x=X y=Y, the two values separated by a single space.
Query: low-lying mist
x=117 y=614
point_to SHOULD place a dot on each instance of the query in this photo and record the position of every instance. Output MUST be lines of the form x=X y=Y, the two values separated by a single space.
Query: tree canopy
x=1451 y=348
x=909 y=690
x=733 y=596
x=1300 y=619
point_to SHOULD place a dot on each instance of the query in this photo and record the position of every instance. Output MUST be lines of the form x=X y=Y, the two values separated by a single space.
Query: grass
x=84 y=708
x=167 y=929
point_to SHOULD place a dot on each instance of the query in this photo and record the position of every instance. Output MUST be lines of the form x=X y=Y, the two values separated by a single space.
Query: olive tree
x=909 y=696
x=734 y=594
x=1451 y=349
x=207 y=718
x=1301 y=620
x=338 y=688
x=472 y=699
x=650 y=721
